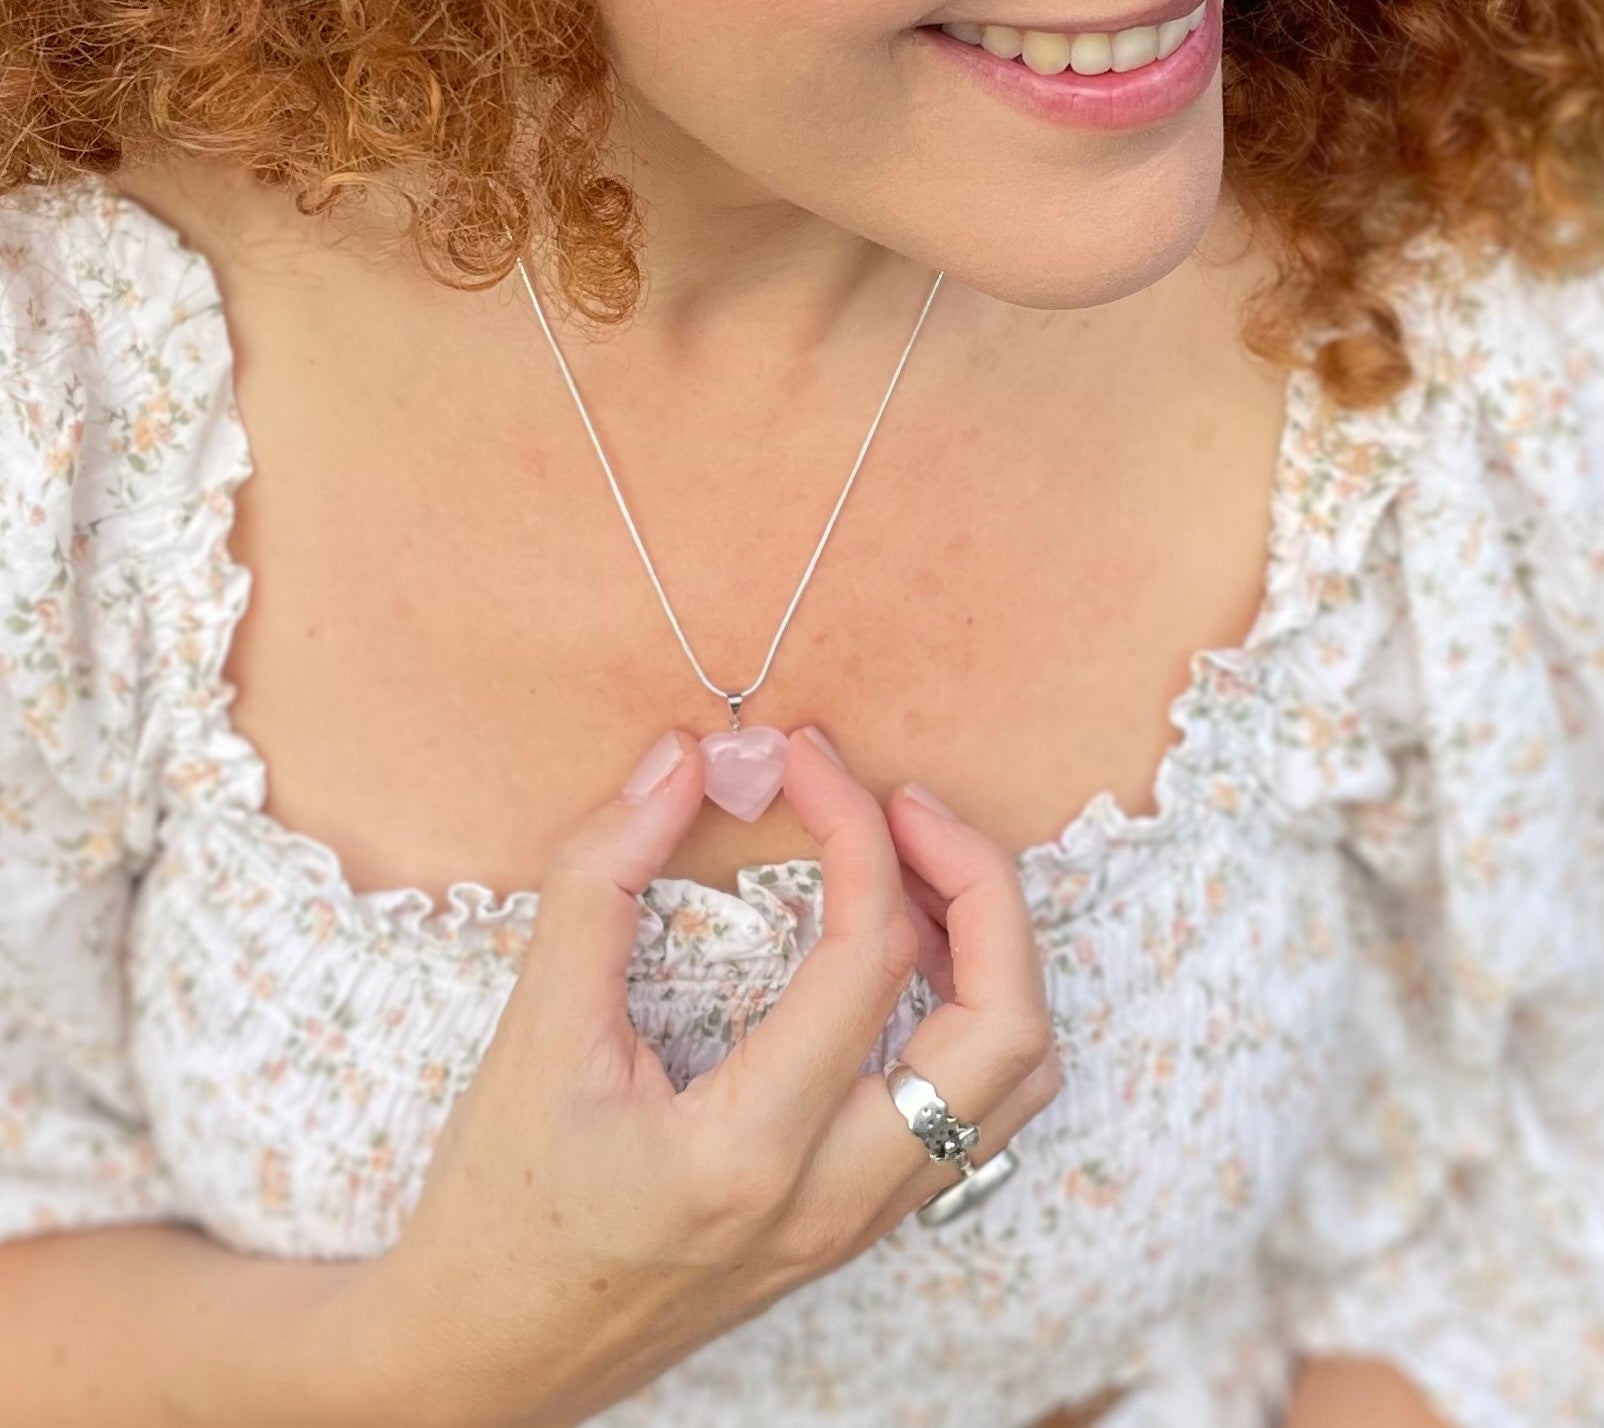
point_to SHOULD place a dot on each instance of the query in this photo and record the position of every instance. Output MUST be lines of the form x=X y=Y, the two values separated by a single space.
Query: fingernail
x=816 y=736
x=920 y=794
x=656 y=765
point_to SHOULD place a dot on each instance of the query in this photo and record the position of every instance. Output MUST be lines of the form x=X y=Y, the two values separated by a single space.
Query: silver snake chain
x=733 y=699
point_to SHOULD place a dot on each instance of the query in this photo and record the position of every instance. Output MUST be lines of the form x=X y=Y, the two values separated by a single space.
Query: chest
x=453 y=649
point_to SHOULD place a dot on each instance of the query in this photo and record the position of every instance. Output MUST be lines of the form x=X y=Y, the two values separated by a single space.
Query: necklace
x=745 y=767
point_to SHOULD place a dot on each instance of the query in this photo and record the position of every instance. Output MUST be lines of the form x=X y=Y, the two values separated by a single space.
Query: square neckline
x=1101 y=822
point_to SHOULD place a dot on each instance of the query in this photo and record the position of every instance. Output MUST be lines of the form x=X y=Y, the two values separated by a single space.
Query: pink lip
x=1155 y=14
x=1098 y=101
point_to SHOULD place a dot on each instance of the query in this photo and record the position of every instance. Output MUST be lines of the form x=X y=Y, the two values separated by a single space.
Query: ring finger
x=871 y=1157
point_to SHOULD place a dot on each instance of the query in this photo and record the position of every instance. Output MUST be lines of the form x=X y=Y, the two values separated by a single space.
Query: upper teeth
x=1049 y=53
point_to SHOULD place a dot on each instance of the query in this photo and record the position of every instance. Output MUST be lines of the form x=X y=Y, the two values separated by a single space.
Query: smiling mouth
x=1047 y=52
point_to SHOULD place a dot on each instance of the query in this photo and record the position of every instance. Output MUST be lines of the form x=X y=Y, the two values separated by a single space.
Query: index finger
x=811 y=1045
x=995 y=964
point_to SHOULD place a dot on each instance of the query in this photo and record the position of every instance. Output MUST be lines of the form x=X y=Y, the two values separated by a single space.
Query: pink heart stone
x=745 y=769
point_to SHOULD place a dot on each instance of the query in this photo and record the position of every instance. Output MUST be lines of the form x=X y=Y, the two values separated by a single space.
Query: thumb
x=589 y=916
x=928 y=909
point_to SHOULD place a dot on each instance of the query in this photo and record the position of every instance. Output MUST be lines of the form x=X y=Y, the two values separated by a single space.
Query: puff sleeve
x=78 y=397
x=1453 y=1222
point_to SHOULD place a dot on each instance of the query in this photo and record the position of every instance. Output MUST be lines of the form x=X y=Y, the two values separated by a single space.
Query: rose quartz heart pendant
x=745 y=769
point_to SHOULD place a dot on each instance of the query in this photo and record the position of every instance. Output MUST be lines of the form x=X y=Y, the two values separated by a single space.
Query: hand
x=583 y=1226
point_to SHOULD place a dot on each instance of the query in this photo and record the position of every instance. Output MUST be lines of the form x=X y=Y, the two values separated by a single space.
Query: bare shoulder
x=207 y=204
x=240 y=222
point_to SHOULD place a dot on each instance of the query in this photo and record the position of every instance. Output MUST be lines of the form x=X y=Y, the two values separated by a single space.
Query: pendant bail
x=735 y=712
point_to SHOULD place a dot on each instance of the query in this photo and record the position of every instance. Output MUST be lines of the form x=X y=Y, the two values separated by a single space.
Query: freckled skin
x=1008 y=605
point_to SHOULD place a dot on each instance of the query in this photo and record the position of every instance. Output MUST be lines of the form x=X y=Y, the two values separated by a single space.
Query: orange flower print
x=1360 y=465
x=509 y=943
x=1336 y=590
x=1471 y=546
x=272 y=1179
x=1164 y=1063
x=323 y=1037
x=153 y=426
x=434 y=1078
x=1166 y=956
x=1232 y=1182
x=1481 y=856
x=1224 y=796
x=1521 y=642
x=745 y=1011
x=100 y=848
x=355 y=1087
x=321 y=919
x=12 y=813
x=1094 y=1025
x=688 y=923
x=1091 y=1185
x=1068 y=890
x=193 y=774
x=1317 y=938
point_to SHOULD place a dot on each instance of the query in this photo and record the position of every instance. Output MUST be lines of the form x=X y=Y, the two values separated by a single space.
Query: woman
x=1257 y=520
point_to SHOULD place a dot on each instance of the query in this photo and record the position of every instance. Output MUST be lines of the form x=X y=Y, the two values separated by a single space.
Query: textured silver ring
x=947 y=1141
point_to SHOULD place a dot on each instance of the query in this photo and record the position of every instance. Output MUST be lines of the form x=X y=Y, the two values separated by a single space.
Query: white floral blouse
x=1332 y=1018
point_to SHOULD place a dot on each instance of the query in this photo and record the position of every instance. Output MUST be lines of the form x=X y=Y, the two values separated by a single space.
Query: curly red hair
x=1353 y=126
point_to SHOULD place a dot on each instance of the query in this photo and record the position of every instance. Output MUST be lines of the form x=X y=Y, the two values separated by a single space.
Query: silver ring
x=947 y=1141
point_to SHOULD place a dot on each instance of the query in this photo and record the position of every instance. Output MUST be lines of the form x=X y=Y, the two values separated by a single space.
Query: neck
x=729 y=266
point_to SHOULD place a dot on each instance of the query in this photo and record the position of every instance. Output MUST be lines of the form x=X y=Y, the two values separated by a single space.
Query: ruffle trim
x=1338 y=472
x=688 y=930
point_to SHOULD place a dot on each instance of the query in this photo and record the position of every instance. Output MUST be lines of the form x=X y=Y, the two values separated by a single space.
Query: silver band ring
x=947 y=1141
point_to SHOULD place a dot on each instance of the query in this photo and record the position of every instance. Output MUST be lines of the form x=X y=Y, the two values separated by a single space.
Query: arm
x=1337 y=1393
x=161 y=1327
x=1088 y=1413
x=1448 y=1219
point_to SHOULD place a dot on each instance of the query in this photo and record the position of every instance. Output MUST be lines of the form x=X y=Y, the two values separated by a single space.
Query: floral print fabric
x=1332 y=1018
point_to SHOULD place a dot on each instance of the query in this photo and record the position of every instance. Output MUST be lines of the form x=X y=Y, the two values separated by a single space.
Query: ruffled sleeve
x=1453 y=1223
x=91 y=324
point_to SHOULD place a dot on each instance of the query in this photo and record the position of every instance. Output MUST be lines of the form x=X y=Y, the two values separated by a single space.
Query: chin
x=1103 y=241
x=1056 y=219
x=1083 y=271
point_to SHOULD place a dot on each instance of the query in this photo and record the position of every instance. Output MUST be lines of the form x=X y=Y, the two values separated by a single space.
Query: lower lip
x=1132 y=100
